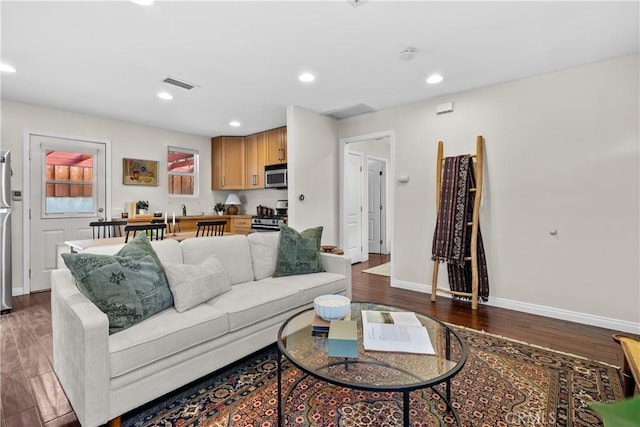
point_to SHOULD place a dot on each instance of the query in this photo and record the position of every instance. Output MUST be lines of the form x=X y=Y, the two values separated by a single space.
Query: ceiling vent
x=356 y=3
x=354 y=110
x=179 y=83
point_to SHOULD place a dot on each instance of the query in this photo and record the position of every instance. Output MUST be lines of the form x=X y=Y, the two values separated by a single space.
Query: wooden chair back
x=210 y=228
x=169 y=228
x=107 y=229
x=153 y=231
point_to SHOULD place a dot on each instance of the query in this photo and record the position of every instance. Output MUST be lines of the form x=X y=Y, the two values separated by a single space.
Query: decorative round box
x=332 y=307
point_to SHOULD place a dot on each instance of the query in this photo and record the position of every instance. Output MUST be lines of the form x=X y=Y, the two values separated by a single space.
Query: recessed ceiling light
x=234 y=123
x=434 y=78
x=7 y=68
x=143 y=2
x=165 y=95
x=306 y=77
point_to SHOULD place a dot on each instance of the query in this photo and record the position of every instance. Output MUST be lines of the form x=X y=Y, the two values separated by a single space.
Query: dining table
x=77 y=246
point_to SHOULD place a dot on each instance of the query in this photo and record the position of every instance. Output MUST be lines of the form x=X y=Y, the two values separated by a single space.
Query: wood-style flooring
x=31 y=395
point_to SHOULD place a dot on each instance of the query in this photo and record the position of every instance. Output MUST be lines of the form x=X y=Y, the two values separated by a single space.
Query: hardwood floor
x=31 y=395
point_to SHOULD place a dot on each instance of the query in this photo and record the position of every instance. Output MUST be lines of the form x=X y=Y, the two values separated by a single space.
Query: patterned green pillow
x=298 y=252
x=128 y=287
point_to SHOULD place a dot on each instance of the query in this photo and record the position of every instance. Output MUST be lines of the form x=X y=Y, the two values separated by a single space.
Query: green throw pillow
x=128 y=287
x=298 y=252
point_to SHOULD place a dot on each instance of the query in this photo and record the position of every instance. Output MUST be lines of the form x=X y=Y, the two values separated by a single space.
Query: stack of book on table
x=320 y=327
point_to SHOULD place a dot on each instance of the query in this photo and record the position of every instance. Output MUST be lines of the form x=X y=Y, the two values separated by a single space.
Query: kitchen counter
x=238 y=224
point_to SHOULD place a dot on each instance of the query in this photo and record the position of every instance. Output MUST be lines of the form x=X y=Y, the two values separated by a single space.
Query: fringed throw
x=452 y=236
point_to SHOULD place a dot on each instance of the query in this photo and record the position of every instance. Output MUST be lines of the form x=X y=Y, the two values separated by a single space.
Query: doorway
x=376 y=205
x=67 y=181
x=375 y=226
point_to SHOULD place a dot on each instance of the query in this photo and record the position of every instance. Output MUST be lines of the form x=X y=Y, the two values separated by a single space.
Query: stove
x=267 y=223
x=270 y=222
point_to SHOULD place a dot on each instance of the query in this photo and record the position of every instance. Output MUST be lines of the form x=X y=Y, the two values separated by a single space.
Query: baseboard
x=17 y=292
x=540 y=310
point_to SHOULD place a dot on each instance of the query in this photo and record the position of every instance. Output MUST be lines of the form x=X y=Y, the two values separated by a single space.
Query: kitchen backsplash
x=251 y=199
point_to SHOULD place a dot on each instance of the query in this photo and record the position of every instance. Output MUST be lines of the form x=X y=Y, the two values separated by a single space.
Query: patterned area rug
x=504 y=383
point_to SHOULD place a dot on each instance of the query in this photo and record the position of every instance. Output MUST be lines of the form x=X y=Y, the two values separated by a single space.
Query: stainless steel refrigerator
x=6 y=287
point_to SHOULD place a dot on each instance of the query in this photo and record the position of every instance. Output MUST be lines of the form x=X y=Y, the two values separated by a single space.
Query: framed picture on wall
x=139 y=172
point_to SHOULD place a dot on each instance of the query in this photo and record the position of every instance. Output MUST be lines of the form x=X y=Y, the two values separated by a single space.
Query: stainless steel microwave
x=275 y=176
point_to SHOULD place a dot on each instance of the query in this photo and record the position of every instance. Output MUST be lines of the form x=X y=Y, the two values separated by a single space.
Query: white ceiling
x=108 y=58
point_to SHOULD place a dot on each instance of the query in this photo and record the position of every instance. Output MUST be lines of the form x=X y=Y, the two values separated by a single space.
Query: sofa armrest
x=80 y=349
x=339 y=264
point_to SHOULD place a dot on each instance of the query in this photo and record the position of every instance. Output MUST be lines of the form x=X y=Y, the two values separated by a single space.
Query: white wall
x=127 y=140
x=313 y=166
x=561 y=153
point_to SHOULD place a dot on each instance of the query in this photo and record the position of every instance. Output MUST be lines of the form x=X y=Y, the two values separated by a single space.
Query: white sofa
x=105 y=375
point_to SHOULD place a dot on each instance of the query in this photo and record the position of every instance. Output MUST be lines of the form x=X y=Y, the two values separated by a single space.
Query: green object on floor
x=624 y=413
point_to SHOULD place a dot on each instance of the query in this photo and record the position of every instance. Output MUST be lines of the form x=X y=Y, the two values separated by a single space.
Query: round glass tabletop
x=373 y=370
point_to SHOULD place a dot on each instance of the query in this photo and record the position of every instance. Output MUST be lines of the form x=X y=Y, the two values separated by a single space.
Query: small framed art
x=139 y=172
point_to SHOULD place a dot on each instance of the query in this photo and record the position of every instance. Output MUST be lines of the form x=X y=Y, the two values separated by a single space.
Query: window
x=182 y=169
x=69 y=183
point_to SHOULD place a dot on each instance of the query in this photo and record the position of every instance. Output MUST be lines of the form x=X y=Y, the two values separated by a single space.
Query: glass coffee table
x=373 y=370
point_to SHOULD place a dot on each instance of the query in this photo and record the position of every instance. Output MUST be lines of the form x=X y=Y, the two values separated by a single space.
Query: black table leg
x=280 y=415
x=405 y=407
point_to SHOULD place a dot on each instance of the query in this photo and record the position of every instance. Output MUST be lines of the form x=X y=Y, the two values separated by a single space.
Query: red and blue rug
x=504 y=383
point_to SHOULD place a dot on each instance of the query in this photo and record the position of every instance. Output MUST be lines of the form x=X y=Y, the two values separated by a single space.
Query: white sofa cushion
x=264 y=253
x=168 y=250
x=251 y=302
x=194 y=284
x=162 y=335
x=309 y=286
x=232 y=251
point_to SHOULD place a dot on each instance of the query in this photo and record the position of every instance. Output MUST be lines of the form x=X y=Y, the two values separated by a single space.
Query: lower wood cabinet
x=240 y=225
x=236 y=224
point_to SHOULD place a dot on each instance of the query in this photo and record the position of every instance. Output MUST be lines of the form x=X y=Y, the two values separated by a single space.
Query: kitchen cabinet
x=255 y=147
x=241 y=224
x=228 y=170
x=185 y=223
x=276 y=146
x=237 y=162
x=236 y=224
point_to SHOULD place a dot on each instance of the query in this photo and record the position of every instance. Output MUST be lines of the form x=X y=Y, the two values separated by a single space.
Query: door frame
x=344 y=142
x=26 y=191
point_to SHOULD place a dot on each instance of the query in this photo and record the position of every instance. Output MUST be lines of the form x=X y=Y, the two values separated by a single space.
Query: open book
x=395 y=331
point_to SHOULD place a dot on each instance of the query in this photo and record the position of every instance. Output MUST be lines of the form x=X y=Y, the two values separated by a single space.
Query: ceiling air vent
x=179 y=83
x=354 y=110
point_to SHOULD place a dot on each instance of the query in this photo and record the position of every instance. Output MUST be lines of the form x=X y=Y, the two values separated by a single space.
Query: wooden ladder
x=474 y=224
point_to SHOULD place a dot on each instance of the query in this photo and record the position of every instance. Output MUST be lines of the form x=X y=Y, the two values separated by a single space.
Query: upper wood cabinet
x=237 y=162
x=277 y=146
x=228 y=163
x=255 y=147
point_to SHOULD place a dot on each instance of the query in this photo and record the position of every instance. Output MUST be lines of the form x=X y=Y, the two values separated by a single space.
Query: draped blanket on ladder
x=452 y=236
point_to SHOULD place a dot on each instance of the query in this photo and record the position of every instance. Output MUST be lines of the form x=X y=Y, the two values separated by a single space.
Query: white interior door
x=353 y=186
x=375 y=205
x=67 y=190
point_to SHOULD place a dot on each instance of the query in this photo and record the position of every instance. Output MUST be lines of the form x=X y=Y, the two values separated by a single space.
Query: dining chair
x=210 y=228
x=175 y=229
x=153 y=231
x=106 y=229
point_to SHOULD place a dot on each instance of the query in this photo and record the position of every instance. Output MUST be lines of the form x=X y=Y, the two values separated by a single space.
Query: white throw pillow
x=264 y=253
x=194 y=284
